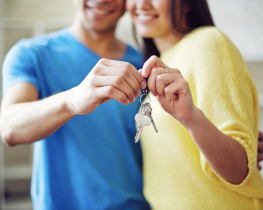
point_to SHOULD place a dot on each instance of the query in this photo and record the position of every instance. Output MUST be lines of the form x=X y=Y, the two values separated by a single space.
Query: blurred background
x=241 y=20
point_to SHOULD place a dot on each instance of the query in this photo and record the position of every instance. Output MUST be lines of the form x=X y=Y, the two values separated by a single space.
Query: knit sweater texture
x=176 y=174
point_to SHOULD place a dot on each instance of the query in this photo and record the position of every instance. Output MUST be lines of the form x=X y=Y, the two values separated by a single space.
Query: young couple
x=204 y=105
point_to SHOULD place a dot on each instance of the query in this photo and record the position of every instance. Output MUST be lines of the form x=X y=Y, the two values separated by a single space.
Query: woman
x=204 y=156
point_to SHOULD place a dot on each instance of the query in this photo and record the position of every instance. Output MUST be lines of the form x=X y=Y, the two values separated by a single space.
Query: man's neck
x=105 y=45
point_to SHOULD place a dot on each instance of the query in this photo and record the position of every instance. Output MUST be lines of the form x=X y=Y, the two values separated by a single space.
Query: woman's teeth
x=145 y=17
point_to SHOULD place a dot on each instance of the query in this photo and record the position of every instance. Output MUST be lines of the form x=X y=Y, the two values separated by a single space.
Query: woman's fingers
x=159 y=79
x=176 y=89
x=164 y=80
x=260 y=146
x=259 y=157
x=259 y=166
x=260 y=136
x=151 y=63
x=152 y=79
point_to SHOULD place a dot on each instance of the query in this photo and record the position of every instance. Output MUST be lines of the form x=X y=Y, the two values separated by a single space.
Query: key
x=147 y=109
x=142 y=121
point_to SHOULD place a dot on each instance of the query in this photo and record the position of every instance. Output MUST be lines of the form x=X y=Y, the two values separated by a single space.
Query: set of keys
x=144 y=118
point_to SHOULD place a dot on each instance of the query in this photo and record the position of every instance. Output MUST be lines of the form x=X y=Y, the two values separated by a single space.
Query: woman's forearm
x=226 y=156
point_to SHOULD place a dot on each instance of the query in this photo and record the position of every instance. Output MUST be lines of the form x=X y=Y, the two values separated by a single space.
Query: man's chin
x=101 y=30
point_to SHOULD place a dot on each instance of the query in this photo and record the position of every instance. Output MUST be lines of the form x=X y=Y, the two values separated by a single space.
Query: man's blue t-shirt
x=91 y=162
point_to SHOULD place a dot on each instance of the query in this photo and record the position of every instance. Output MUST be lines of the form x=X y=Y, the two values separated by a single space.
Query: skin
x=23 y=115
x=225 y=155
x=260 y=149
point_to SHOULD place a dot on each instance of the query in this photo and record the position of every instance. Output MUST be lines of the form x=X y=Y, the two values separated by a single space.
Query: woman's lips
x=145 y=18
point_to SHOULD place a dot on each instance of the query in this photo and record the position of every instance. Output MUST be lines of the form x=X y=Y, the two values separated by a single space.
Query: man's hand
x=23 y=115
x=108 y=80
x=260 y=149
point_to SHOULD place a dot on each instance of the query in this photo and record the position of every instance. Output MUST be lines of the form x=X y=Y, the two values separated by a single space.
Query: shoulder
x=212 y=41
x=42 y=42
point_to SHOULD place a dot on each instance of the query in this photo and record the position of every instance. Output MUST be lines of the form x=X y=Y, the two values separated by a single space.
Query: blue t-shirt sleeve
x=18 y=67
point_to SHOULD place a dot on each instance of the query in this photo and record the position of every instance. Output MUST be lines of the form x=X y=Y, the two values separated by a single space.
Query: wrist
x=195 y=119
x=67 y=104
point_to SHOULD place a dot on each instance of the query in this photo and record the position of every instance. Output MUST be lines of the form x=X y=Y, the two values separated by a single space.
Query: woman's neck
x=166 y=42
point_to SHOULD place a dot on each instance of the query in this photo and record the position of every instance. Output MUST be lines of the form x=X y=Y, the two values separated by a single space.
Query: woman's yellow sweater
x=176 y=174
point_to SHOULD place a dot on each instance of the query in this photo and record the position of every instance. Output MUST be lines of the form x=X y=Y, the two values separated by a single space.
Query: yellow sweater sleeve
x=224 y=91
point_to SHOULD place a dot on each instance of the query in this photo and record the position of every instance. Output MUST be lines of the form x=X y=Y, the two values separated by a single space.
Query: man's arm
x=25 y=119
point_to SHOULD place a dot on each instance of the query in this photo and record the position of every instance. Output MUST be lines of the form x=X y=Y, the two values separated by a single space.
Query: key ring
x=165 y=68
x=146 y=95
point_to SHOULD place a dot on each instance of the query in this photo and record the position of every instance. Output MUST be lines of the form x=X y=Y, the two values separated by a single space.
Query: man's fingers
x=117 y=82
x=106 y=92
x=126 y=66
x=125 y=74
x=151 y=63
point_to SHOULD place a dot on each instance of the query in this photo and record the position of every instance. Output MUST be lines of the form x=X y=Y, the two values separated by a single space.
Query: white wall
x=242 y=20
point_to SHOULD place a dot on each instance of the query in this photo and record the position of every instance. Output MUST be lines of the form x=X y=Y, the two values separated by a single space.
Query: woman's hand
x=225 y=155
x=260 y=149
x=171 y=89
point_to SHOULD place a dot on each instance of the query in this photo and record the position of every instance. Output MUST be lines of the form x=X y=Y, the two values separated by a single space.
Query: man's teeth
x=145 y=17
x=99 y=11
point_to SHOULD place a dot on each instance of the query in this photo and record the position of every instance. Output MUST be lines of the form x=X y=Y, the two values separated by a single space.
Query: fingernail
x=128 y=101
x=143 y=85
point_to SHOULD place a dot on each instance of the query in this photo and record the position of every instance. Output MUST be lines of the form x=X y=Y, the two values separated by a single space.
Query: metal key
x=147 y=109
x=142 y=121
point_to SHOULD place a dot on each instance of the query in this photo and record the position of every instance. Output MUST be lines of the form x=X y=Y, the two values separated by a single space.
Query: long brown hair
x=199 y=15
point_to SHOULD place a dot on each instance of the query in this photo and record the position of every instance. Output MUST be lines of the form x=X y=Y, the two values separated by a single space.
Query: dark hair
x=199 y=15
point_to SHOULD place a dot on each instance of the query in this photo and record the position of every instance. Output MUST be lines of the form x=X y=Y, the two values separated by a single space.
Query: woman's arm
x=225 y=155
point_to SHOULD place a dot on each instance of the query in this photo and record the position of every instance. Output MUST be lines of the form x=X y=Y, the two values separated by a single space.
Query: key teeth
x=136 y=141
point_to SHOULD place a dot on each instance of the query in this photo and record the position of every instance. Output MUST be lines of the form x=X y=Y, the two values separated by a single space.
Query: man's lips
x=99 y=9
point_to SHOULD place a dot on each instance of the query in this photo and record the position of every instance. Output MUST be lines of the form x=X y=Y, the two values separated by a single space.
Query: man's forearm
x=28 y=122
x=226 y=156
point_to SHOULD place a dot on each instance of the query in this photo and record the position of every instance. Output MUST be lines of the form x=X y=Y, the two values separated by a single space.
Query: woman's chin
x=146 y=34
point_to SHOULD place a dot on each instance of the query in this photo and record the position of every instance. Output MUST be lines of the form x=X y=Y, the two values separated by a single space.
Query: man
x=84 y=155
